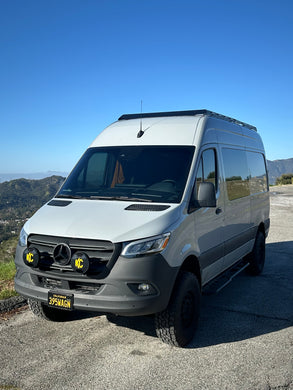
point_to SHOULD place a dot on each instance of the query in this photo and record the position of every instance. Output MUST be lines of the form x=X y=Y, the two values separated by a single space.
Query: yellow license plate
x=60 y=301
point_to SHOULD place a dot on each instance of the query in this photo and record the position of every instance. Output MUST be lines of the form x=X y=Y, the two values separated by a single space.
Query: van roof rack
x=185 y=113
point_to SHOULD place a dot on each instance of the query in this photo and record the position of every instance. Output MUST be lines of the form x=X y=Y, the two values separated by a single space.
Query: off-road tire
x=256 y=258
x=41 y=310
x=176 y=325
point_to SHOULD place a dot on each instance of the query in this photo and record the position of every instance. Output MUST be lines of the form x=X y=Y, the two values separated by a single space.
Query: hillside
x=7 y=250
x=277 y=168
x=20 y=198
x=30 y=176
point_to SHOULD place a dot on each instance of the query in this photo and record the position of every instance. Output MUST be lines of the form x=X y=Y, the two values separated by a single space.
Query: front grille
x=50 y=283
x=102 y=254
x=82 y=287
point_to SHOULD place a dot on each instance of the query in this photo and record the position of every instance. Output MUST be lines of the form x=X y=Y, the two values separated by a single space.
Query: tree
x=286 y=178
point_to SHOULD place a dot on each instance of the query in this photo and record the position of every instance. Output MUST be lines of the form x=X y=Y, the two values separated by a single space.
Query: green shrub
x=7 y=273
x=286 y=178
x=7 y=293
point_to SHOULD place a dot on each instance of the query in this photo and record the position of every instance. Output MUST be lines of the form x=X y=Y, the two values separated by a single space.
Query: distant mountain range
x=31 y=176
x=277 y=168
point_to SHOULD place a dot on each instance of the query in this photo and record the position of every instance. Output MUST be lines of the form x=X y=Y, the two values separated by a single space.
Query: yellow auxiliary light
x=31 y=257
x=80 y=262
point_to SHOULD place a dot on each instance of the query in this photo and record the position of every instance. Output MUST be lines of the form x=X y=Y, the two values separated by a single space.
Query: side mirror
x=206 y=195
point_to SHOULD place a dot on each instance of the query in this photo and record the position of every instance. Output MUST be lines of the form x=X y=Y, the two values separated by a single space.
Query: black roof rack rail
x=186 y=113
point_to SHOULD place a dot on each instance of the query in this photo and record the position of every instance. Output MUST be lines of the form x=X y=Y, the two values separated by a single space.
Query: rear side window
x=236 y=173
x=245 y=173
x=258 y=176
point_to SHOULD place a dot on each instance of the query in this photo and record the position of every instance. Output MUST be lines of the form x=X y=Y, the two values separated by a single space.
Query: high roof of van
x=162 y=128
x=156 y=131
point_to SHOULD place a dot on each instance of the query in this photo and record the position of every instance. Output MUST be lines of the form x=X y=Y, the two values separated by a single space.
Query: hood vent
x=147 y=207
x=59 y=203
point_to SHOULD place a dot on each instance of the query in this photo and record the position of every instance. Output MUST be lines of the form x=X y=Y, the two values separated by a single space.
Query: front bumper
x=115 y=294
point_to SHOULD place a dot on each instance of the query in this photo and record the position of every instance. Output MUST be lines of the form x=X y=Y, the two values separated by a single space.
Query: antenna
x=141 y=132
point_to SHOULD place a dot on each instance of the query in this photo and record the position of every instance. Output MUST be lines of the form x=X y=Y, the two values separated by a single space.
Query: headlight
x=146 y=246
x=22 y=238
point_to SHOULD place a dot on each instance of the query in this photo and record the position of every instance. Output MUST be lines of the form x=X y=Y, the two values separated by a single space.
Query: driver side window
x=207 y=169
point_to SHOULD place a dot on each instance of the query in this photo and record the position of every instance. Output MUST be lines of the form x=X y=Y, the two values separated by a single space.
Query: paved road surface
x=244 y=341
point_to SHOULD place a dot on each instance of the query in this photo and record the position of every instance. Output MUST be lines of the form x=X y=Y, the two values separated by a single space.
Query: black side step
x=216 y=285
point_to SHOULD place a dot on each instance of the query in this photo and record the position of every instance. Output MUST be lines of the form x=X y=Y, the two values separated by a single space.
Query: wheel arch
x=261 y=228
x=191 y=264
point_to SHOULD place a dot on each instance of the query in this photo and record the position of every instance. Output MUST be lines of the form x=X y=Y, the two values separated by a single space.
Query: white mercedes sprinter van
x=158 y=206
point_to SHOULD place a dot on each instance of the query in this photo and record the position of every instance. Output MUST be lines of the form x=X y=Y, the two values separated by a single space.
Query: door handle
x=218 y=210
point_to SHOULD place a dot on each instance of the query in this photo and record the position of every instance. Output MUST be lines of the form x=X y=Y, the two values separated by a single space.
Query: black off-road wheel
x=177 y=324
x=257 y=257
x=41 y=310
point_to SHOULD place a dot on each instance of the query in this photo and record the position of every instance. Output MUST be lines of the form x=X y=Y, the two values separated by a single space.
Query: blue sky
x=70 y=67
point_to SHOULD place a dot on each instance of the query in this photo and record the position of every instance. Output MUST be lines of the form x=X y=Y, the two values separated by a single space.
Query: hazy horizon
x=67 y=172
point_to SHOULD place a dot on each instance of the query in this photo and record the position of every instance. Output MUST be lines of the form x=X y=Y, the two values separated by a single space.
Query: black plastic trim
x=186 y=113
x=211 y=256
x=147 y=207
x=239 y=240
x=267 y=224
x=214 y=254
x=59 y=203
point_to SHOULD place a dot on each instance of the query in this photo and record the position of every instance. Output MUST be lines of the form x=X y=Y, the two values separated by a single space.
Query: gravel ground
x=11 y=303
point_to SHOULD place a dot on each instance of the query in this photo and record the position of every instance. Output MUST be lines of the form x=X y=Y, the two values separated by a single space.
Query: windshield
x=139 y=173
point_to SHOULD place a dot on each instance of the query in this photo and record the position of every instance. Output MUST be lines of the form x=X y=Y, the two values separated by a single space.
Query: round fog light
x=144 y=287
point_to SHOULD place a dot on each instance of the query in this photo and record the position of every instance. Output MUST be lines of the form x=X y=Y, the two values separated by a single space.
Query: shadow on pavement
x=248 y=307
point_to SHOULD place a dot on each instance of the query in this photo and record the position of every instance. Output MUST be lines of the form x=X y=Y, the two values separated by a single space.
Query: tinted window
x=199 y=176
x=150 y=173
x=236 y=173
x=207 y=168
x=93 y=175
x=258 y=176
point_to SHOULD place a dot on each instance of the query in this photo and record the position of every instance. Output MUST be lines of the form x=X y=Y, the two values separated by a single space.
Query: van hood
x=103 y=220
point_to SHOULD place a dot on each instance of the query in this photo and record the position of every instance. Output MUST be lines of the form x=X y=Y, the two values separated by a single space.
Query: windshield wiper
x=133 y=199
x=69 y=196
x=124 y=198
x=104 y=197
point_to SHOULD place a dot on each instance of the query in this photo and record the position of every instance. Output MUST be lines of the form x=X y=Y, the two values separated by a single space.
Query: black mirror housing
x=206 y=195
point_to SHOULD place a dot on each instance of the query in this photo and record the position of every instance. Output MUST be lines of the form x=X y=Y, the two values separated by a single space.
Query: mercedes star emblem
x=62 y=254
